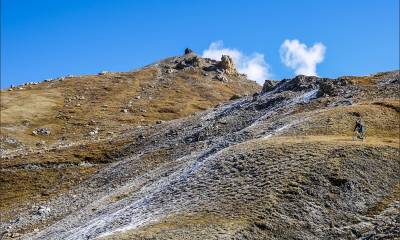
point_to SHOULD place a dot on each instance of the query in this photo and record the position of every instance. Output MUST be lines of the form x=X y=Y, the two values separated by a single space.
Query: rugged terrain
x=56 y=133
x=280 y=164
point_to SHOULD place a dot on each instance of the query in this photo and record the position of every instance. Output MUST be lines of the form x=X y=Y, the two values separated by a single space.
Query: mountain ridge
x=277 y=164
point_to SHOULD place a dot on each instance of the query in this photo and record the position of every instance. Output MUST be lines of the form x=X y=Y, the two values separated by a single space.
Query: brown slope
x=273 y=167
x=36 y=167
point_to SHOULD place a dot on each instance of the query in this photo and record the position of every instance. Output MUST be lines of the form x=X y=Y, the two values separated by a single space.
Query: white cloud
x=302 y=59
x=254 y=66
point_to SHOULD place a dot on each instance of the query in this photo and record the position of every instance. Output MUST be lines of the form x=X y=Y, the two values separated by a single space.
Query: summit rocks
x=227 y=65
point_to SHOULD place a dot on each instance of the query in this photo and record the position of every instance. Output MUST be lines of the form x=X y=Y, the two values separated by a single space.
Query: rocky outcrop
x=189 y=60
x=188 y=51
x=268 y=85
x=227 y=65
x=298 y=83
x=325 y=86
x=332 y=87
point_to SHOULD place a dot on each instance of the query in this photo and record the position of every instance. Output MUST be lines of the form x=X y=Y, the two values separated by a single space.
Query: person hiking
x=359 y=129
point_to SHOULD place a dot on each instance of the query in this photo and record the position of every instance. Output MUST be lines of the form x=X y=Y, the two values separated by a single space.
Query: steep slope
x=278 y=165
x=56 y=133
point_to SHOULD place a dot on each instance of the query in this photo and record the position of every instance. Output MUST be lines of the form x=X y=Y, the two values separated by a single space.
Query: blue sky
x=49 y=38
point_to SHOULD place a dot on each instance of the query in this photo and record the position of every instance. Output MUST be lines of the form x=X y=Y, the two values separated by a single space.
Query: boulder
x=221 y=77
x=268 y=86
x=188 y=51
x=41 y=131
x=43 y=210
x=190 y=61
x=170 y=70
x=227 y=65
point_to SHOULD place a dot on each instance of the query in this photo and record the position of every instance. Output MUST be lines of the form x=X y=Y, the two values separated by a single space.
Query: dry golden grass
x=378 y=141
x=184 y=226
x=58 y=105
x=71 y=108
x=19 y=187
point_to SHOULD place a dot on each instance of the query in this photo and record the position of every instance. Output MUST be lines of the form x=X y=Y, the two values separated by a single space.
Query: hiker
x=359 y=129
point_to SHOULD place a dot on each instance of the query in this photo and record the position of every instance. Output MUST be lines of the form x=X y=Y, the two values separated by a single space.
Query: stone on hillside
x=41 y=131
x=268 y=86
x=170 y=70
x=94 y=132
x=181 y=65
x=221 y=77
x=227 y=65
x=194 y=61
x=189 y=62
x=43 y=210
x=188 y=51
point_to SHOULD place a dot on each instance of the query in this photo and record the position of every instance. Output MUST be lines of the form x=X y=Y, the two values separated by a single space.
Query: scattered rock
x=94 y=132
x=221 y=77
x=268 y=86
x=15 y=235
x=41 y=131
x=170 y=70
x=43 y=210
x=181 y=65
